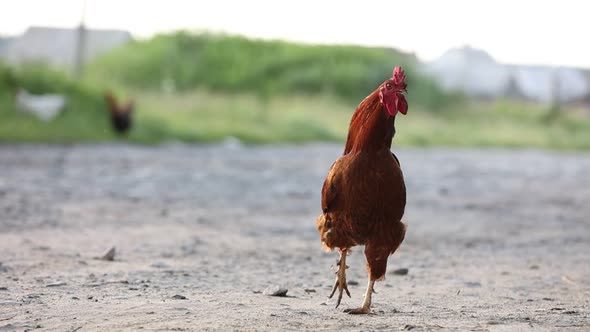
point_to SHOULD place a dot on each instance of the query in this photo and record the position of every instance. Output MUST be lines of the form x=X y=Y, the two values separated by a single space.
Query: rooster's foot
x=358 y=311
x=340 y=283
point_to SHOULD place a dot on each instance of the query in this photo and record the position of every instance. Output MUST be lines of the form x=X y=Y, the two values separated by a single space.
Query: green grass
x=201 y=116
x=234 y=64
x=267 y=92
x=498 y=124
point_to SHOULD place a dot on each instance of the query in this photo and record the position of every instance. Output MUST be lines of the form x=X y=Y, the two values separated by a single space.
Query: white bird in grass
x=45 y=107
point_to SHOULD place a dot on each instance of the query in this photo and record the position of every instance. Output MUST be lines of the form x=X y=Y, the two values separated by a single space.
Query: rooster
x=364 y=194
x=121 y=114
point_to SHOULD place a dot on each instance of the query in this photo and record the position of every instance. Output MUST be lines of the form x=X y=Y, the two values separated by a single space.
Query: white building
x=476 y=73
x=57 y=46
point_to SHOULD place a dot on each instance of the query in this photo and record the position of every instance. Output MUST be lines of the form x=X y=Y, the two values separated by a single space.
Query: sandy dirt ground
x=498 y=240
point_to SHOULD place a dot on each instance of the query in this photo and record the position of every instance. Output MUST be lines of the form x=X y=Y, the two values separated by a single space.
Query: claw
x=366 y=307
x=358 y=311
x=340 y=283
x=341 y=288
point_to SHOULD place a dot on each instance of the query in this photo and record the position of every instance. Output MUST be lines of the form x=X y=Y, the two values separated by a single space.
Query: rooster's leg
x=366 y=307
x=340 y=283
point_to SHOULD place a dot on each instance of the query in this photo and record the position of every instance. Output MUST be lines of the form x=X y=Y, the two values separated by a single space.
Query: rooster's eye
x=388 y=85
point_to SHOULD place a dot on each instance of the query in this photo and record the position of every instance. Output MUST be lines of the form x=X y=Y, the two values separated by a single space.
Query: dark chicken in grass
x=364 y=195
x=121 y=114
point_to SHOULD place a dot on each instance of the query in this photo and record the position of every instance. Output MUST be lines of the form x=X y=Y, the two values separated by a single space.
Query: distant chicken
x=364 y=195
x=45 y=107
x=121 y=114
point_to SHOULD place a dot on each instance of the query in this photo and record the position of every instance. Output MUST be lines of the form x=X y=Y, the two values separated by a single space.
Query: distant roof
x=57 y=46
x=476 y=73
x=4 y=41
x=469 y=70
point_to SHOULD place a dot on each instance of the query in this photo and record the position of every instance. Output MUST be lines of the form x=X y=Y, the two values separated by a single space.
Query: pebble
x=473 y=284
x=160 y=265
x=401 y=272
x=275 y=290
x=179 y=297
x=109 y=256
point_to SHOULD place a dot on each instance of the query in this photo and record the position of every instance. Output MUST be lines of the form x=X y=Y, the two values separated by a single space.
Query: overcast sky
x=515 y=31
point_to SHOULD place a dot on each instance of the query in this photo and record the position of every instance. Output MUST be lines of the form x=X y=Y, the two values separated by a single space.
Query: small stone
x=3 y=288
x=275 y=290
x=309 y=290
x=179 y=297
x=160 y=265
x=473 y=284
x=401 y=272
x=75 y=298
x=56 y=284
x=353 y=283
x=534 y=267
x=3 y=268
x=109 y=256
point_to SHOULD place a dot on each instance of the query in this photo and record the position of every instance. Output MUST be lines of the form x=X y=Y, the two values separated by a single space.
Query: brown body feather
x=364 y=194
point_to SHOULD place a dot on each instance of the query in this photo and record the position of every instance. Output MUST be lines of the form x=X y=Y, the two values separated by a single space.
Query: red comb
x=399 y=76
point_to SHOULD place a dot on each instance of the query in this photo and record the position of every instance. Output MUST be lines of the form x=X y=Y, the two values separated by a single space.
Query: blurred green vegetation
x=204 y=88
x=231 y=64
x=81 y=120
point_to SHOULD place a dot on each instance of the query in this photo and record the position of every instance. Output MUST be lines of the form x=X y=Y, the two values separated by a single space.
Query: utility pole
x=80 y=45
x=555 y=97
x=554 y=106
